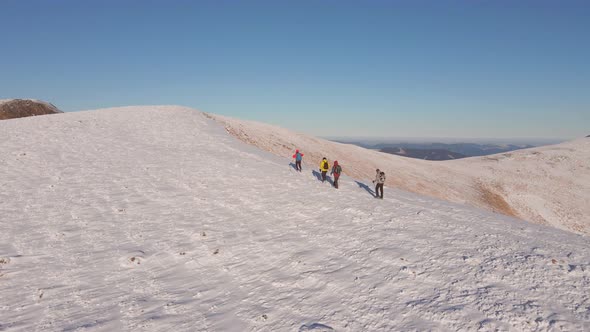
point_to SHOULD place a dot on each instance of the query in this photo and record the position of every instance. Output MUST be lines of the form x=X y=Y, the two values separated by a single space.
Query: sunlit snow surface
x=156 y=219
x=547 y=185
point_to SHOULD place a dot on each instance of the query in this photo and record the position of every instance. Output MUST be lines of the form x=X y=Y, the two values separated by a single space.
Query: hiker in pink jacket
x=298 y=156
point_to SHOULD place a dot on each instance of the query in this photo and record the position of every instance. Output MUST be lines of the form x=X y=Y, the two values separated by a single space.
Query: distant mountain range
x=442 y=151
x=426 y=154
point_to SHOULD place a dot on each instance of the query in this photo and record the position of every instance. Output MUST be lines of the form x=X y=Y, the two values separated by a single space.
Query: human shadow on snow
x=367 y=188
x=315 y=327
x=318 y=175
x=329 y=180
x=293 y=165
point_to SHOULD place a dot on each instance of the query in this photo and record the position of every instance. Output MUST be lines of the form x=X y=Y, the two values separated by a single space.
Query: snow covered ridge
x=154 y=218
x=548 y=185
x=19 y=108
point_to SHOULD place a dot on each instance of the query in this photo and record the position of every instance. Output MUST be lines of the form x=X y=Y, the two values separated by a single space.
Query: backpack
x=382 y=177
x=337 y=169
x=325 y=166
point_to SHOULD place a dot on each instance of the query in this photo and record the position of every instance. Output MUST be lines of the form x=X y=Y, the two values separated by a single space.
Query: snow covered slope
x=155 y=219
x=547 y=185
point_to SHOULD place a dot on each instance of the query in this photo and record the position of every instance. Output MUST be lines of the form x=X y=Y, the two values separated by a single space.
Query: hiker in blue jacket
x=298 y=157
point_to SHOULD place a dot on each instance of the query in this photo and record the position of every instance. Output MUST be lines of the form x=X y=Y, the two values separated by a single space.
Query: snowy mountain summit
x=156 y=218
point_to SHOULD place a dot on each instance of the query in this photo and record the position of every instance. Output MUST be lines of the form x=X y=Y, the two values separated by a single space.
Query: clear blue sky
x=329 y=68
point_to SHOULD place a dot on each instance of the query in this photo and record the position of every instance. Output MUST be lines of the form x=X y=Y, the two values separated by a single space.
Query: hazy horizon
x=450 y=140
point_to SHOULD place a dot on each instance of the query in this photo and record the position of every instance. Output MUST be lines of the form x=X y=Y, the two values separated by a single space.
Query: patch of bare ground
x=240 y=135
x=20 y=108
x=492 y=196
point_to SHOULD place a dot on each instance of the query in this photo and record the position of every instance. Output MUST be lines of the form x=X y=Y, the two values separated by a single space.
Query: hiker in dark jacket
x=324 y=167
x=298 y=156
x=336 y=170
x=379 y=181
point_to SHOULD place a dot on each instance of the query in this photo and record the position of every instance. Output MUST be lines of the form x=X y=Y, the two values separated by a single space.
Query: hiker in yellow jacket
x=324 y=167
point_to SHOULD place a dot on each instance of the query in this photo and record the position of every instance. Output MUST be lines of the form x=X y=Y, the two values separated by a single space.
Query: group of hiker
x=337 y=170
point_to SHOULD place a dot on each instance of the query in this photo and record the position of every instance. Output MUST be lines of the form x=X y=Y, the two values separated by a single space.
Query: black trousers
x=377 y=187
x=336 y=177
x=324 y=175
x=298 y=165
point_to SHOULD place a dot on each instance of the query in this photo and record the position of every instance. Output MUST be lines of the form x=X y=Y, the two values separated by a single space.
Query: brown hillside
x=20 y=108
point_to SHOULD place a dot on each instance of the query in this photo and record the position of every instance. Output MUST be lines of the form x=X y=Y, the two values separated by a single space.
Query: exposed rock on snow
x=155 y=219
x=20 y=108
x=547 y=185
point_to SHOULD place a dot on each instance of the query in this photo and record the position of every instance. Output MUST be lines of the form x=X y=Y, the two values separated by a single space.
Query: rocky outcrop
x=20 y=108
